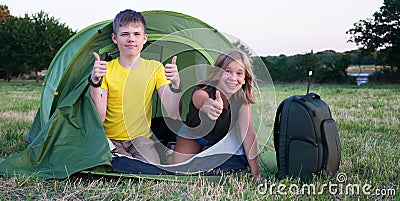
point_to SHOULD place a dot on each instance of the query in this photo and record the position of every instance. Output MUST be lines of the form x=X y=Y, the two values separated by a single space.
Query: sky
x=269 y=28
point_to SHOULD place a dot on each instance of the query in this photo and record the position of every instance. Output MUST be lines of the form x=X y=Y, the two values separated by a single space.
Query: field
x=369 y=127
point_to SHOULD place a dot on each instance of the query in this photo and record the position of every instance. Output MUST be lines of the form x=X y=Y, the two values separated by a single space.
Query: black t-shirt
x=212 y=130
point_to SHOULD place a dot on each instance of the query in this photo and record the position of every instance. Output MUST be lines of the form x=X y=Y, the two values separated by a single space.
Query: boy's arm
x=98 y=95
x=99 y=98
x=170 y=99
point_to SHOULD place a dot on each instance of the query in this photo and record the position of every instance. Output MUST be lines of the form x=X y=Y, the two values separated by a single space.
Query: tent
x=67 y=136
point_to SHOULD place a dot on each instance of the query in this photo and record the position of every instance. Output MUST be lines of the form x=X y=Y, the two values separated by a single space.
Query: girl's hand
x=258 y=178
x=213 y=108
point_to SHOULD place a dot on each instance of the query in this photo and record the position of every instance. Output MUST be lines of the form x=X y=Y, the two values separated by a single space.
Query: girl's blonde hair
x=223 y=60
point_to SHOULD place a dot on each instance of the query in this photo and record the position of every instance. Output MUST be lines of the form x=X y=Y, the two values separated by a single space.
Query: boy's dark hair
x=127 y=16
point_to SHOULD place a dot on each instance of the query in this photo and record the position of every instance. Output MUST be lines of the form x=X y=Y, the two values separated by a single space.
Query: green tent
x=67 y=136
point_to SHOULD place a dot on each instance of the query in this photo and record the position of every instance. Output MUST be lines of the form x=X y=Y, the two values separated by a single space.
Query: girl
x=225 y=96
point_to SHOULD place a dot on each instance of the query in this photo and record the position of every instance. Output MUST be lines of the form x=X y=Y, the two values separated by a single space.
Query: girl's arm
x=213 y=108
x=249 y=140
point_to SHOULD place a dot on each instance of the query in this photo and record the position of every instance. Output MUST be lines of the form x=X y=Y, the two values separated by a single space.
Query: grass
x=369 y=128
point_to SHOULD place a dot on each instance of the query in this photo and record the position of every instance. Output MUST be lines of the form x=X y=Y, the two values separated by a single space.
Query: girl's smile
x=232 y=79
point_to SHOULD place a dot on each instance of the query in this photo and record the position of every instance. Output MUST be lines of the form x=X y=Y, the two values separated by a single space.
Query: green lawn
x=368 y=122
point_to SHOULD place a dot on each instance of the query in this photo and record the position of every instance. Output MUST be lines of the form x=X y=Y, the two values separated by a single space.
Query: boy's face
x=130 y=39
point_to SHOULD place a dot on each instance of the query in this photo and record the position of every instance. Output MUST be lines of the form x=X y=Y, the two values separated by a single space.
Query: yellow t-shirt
x=129 y=104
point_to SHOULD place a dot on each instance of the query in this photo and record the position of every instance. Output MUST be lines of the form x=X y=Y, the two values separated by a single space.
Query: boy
x=122 y=89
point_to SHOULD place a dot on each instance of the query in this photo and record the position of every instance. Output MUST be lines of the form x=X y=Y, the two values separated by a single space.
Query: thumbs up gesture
x=213 y=108
x=171 y=72
x=99 y=68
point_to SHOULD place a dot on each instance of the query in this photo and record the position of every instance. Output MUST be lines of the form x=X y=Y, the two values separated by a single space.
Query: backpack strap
x=277 y=123
x=279 y=143
x=278 y=115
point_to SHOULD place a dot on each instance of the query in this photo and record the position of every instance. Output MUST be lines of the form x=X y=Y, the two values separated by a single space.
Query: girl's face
x=130 y=39
x=232 y=79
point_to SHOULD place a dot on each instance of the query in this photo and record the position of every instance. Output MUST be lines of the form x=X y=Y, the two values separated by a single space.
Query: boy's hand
x=99 y=68
x=171 y=72
x=213 y=108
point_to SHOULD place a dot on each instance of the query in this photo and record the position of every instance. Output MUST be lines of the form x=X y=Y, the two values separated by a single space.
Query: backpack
x=306 y=138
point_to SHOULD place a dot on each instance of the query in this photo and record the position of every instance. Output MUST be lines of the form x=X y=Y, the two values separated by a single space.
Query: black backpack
x=306 y=138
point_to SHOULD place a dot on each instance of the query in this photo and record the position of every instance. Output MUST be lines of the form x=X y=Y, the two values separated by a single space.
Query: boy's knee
x=146 y=150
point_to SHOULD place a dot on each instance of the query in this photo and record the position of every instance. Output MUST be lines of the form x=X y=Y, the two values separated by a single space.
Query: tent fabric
x=235 y=163
x=67 y=134
x=73 y=128
x=61 y=61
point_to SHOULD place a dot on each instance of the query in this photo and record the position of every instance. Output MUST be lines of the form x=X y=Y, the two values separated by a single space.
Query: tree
x=303 y=64
x=280 y=70
x=342 y=63
x=4 y=13
x=6 y=43
x=29 y=43
x=38 y=38
x=381 y=33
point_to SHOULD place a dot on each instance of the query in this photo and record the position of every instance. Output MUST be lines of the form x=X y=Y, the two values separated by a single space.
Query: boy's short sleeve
x=110 y=65
x=104 y=84
x=161 y=79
